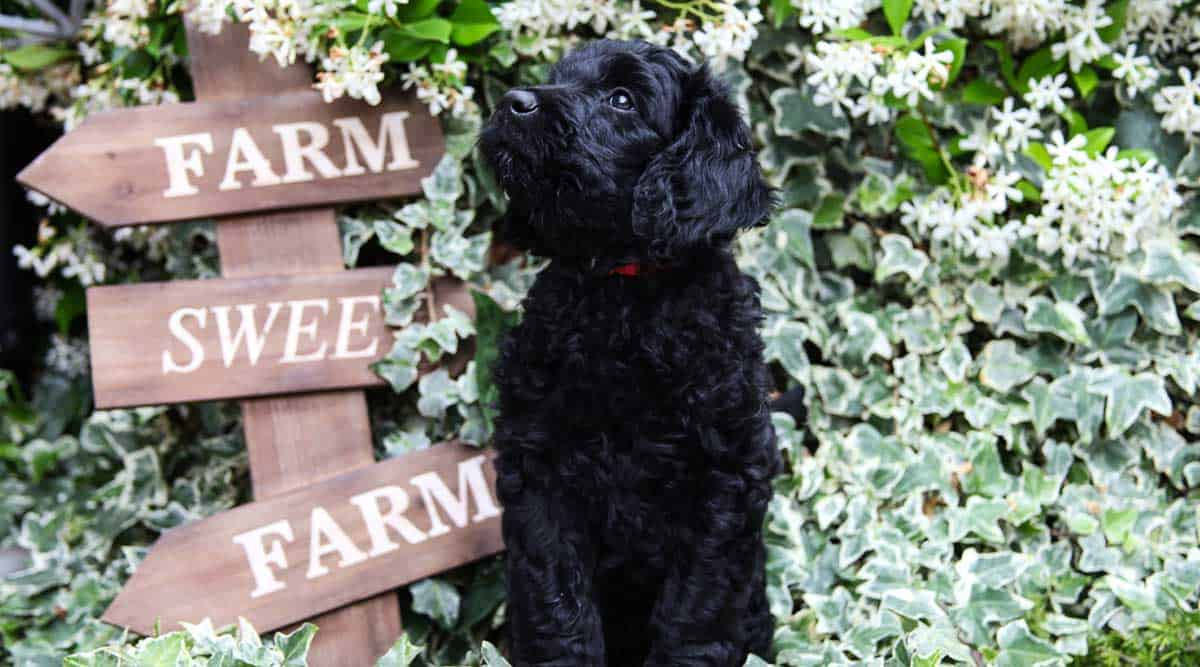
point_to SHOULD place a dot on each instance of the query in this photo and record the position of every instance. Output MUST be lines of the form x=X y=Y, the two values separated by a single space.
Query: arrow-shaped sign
x=285 y=559
x=202 y=159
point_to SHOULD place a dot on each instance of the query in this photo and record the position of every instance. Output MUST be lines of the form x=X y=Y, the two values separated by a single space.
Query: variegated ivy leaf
x=399 y=367
x=1047 y=403
x=839 y=390
x=465 y=256
x=863 y=338
x=401 y=301
x=491 y=657
x=985 y=301
x=899 y=256
x=437 y=599
x=784 y=339
x=1021 y=648
x=1004 y=366
x=954 y=360
x=1114 y=292
x=414 y=215
x=795 y=114
x=445 y=183
x=1127 y=397
x=355 y=234
x=401 y=654
x=854 y=248
x=1164 y=264
x=1063 y=319
x=916 y=605
x=791 y=232
x=393 y=237
x=438 y=392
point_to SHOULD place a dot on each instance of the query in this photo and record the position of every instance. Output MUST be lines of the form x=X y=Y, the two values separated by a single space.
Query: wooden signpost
x=208 y=339
x=320 y=547
x=330 y=531
x=148 y=164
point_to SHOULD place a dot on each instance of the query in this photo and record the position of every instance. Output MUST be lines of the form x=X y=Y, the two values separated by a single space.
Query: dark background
x=22 y=137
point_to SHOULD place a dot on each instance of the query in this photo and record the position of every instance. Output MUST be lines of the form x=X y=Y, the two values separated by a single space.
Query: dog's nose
x=521 y=102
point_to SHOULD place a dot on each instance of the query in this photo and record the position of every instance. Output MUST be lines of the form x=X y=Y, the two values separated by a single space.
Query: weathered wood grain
x=203 y=569
x=335 y=425
x=191 y=160
x=156 y=343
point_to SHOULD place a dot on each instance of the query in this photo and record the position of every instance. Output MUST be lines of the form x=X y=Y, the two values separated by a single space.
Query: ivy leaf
x=491 y=656
x=1020 y=648
x=401 y=654
x=1128 y=396
x=1165 y=265
x=796 y=114
x=1115 y=293
x=1046 y=405
x=1003 y=366
x=393 y=237
x=829 y=214
x=436 y=599
x=985 y=301
x=899 y=256
x=1063 y=319
x=294 y=645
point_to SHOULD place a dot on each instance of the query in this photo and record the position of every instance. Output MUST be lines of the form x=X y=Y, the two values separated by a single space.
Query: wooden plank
x=223 y=67
x=287 y=558
x=291 y=149
x=170 y=342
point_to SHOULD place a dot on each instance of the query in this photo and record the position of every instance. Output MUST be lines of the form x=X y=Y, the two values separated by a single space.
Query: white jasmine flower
x=1083 y=43
x=822 y=16
x=1015 y=127
x=1049 y=92
x=1135 y=71
x=355 y=72
x=1180 y=105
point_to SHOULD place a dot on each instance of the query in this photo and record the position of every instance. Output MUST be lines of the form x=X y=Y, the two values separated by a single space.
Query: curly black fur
x=636 y=448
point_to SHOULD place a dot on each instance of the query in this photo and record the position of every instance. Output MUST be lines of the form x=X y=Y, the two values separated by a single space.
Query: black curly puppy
x=635 y=442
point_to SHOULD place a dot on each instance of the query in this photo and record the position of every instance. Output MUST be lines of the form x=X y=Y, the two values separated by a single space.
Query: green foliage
x=1174 y=642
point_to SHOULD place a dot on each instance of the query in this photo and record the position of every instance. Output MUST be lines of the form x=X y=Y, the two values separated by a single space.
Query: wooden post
x=296 y=440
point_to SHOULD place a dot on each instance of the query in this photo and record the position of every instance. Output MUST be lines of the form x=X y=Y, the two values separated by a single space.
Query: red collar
x=634 y=269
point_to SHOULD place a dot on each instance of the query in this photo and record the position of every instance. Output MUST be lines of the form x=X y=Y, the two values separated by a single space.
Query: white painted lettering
x=378 y=522
x=471 y=484
x=261 y=558
x=175 y=325
x=327 y=537
x=179 y=164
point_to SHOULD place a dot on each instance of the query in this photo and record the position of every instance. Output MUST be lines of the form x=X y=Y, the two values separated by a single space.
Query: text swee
x=243 y=329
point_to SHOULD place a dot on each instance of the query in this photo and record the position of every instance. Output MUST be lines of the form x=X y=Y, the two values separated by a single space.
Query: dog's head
x=629 y=152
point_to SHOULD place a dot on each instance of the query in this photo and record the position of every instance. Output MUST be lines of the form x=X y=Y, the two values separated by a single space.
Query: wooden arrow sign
x=155 y=343
x=296 y=555
x=202 y=159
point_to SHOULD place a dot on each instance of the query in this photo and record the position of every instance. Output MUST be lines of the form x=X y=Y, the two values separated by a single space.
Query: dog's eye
x=621 y=99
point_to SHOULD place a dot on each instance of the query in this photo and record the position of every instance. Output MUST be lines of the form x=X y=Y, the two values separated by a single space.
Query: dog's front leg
x=553 y=621
x=712 y=607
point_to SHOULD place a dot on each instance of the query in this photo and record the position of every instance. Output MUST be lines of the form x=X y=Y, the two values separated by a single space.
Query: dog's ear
x=706 y=185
